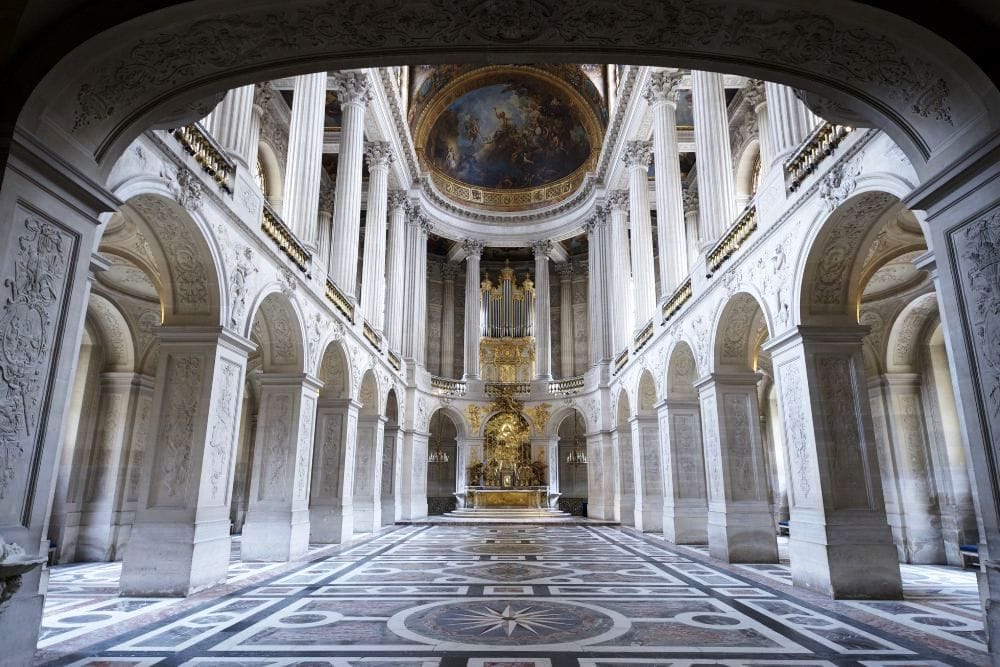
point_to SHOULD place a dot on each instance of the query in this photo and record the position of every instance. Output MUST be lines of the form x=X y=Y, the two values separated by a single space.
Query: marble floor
x=508 y=596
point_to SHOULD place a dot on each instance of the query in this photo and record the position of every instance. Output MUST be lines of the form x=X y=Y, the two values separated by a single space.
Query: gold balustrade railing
x=213 y=160
x=447 y=386
x=567 y=386
x=337 y=298
x=644 y=335
x=816 y=147
x=680 y=296
x=373 y=336
x=733 y=240
x=621 y=360
x=395 y=361
x=276 y=229
x=502 y=388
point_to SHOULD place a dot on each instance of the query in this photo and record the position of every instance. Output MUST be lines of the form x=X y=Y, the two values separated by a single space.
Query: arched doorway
x=368 y=458
x=331 y=499
x=442 y=464
x=391 y=443
x=621 y=440
x=574 y=473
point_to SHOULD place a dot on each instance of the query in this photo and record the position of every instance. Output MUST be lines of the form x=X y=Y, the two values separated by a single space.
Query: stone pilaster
x=685 y=496
x=373 y=283
x=637 y=155
x=300 y=200
x=740 y=525
x=277 y=523
x=354 y=92
x=661 y=93
x=413 y=477
x=543 y=314
x=331 y=494
x=648 y=473
x=566 y=341
x=180 y=540
x=473 y=325
x=839 y=541
x=717 y=209
x=368 y=474
x=448 y=273
x=601 y=478
x=392 y=447
x=620 y=290
x=396 y=270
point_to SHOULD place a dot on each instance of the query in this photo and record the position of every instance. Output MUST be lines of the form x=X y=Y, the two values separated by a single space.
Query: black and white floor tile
x=509 y=596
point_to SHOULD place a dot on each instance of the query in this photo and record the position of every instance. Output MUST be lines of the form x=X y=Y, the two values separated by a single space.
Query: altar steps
x=507 y=515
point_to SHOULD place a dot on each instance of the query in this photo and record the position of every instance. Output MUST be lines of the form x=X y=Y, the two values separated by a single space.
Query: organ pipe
x=508 y=308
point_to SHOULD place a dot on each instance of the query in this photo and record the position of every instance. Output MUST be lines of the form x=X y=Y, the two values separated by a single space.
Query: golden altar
x=524 y=498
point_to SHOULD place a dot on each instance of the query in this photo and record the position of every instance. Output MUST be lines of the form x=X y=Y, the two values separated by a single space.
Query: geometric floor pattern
x=508 y=596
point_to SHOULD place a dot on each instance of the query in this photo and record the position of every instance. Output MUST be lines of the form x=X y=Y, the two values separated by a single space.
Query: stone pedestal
x=277 y=523
x=180 y=541
x=685 y=496
x=648 y=474
x=839 y=542
x=740 y=524
x=331 y=499
x=368 y=474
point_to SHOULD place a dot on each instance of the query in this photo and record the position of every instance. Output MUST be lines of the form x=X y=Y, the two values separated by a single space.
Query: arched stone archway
x=685 y=495
x=368 y=457
x=392 y=443
x=646 y=451
x=621 y=441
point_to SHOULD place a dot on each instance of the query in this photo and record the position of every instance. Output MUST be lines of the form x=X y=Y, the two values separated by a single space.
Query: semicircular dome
x=508 y=139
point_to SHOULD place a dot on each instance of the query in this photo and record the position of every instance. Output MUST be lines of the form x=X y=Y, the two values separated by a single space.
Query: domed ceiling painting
x=509 y=138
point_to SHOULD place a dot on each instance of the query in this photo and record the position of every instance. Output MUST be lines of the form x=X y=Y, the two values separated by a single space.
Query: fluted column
x=661 y=93
x=620 y=289
x=789 y=121
x=305 y=156
x=324 y=222
x=373 y=283
x=473 y=251
x=261 y=98
x=691 y=227
x=415 y=301
x=231 y=123
x=599 y=276
x=354 y=92
x=448 y=273
x=637 y=154
x=715 y=170
x=754 y=94
x=543 y=315
x=566 y=346
x=396 y=271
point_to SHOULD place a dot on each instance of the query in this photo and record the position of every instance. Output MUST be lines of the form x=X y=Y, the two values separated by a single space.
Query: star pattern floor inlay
x=509 y=596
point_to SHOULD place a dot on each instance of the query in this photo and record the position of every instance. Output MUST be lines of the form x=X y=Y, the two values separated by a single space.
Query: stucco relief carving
x=712 y=449
x=740 y=448
x=913 y=441
x=838 y=183
x=836 y=381
x=793 y=390
x=282 y=339
x=176 y=434
x=275 y=469
x=139 y=446
x=304 y=449
x=241 y=267
x=223 y=432
x=332 y=429
x=107 y=439
x=317 y=324
x=736 y=329
x=37 y=291
x=186 y=188
x=977 y=246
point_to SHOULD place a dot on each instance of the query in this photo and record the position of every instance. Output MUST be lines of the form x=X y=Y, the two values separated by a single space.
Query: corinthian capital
x=690 y=198
x=662 y=86
x=542 y=247
x=597 y=219
x=352 y=87
x=417 y=218
x=618 y=201
x=378 y=153
x=473 y=247
x=397 y=199
x=637 y=153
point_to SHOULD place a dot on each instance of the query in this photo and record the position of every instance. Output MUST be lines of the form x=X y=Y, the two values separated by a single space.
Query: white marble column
x=755 y=96
x=691 y=227
x=448 y=273
x=716 y=189
x=300 y=200
x=600 y=307
x=473 y=252
x=396 y=270
x=368 y=474
x=839 y=541
x=620 y=290
x=661 y=93
x=354 y=92
x=415 y=300
x=373 y=282
x=331 y=494
x=685 y=498
x=180 y=540
x=789 y=120
x=566 y=342
x=324 y=229
x=543 y=313
x=740 y=524
x=277 y=522
x=231 y=125
x=263 y=92
x=637 y=155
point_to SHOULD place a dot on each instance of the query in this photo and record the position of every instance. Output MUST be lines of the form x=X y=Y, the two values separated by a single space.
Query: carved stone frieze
x=176 y=430
x=793 y=391
x=241 y=267
x=222 y=435
x=838 y=183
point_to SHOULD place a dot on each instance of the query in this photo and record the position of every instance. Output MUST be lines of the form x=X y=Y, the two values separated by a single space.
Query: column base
x=367 y=516
x=742 y=536
x=649 y=519
x=685 y=524
x=175 y=560
x=331 y=525
x=19 y=624
x=388 y=511
x=848 y=561
x=276 y=536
